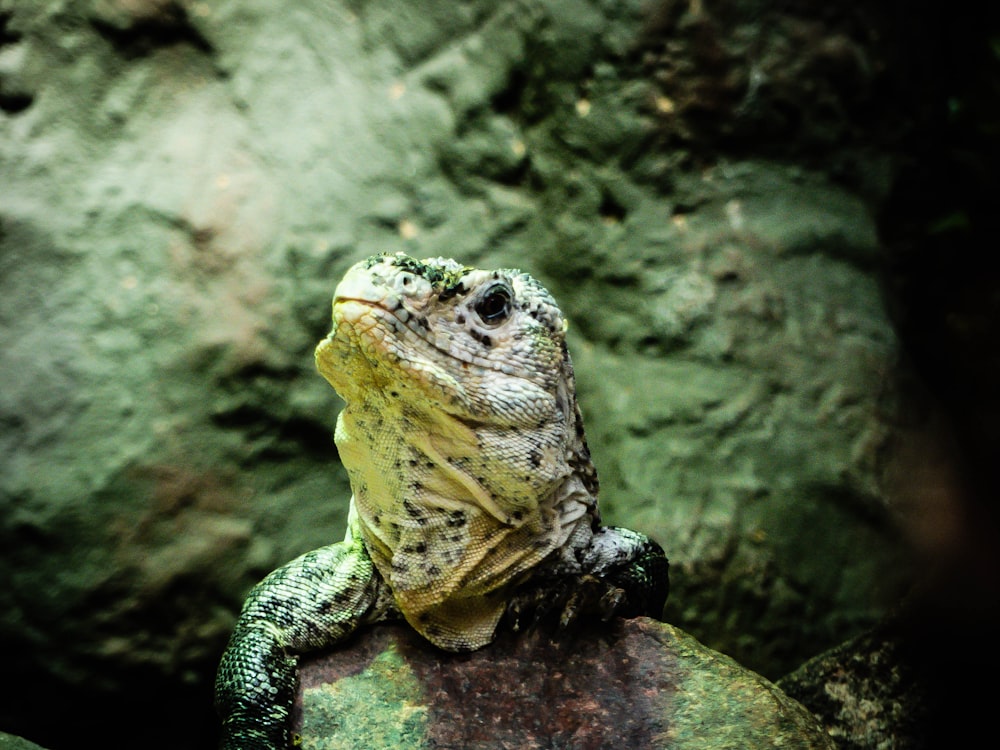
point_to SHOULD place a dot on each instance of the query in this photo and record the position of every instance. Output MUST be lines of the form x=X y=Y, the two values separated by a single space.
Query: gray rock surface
x=184 y=182
x=869 y=692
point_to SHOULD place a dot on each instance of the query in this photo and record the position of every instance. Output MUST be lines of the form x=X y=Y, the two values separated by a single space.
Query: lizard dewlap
x=474 y=493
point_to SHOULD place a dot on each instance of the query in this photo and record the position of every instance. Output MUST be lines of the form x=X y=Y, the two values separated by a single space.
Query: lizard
x=474 y=501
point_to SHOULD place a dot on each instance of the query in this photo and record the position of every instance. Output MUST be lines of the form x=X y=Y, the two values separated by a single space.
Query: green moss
x=380 y=707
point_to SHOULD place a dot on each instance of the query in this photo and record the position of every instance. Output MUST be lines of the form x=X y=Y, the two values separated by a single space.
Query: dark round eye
x=494 y=306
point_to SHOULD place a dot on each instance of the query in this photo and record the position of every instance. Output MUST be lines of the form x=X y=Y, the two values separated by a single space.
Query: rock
x=868 y=693
x=10 y=742
x=919 y=679
x=749 y=354
x=640 y=683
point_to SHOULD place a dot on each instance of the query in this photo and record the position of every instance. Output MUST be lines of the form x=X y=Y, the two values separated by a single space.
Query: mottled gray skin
x=475 y=500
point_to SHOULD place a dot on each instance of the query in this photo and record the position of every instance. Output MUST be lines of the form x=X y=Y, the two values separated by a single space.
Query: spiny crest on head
x=449 y=279
x=439 y=272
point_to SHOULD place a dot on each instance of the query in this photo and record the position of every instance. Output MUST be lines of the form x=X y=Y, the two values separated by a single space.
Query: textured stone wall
x=183 y=182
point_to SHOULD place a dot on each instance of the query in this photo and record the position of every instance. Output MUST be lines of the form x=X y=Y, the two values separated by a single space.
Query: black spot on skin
x=535 y=459
x=339 y=598
x=377 y=520
x=456 y=518
x=460 y=319
x=448 y=292
x=394 y=394
x=482 y=338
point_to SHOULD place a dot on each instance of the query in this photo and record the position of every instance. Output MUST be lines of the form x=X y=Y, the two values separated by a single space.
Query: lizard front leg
x=633 y=563
x=312 y=602
x=618 y=572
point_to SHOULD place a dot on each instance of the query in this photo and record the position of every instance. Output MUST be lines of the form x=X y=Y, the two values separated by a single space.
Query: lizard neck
x=444 y=505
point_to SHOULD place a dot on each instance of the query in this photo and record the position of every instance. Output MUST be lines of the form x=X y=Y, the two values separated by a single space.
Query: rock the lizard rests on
x=475 y=499
x=635 y=683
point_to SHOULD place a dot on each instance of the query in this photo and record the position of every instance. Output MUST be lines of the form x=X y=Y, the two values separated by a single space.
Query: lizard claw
x=571 y=610
x=565 y=599
x=591 y=594
x=612 y=602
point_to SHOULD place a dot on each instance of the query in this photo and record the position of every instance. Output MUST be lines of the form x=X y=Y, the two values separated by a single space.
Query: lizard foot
x=561 y=600
x=624 y=574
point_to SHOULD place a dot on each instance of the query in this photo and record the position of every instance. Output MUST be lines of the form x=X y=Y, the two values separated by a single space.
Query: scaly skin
x=475 y=500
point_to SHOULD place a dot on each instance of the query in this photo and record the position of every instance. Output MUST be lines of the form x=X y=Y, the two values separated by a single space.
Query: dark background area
x=940 y=226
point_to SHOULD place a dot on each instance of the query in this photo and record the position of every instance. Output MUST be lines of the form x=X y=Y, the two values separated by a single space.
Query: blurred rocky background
x=770 y=225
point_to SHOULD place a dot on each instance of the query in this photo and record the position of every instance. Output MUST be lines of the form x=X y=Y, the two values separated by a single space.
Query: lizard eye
x=494 y=306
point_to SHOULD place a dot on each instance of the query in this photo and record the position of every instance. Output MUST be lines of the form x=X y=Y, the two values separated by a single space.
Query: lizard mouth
x=381 y=324
x=374 y=348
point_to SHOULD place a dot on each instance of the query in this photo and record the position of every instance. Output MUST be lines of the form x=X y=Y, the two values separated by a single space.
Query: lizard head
x=480 y=346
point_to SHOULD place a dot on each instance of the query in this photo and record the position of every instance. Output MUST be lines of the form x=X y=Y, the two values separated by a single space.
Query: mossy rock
x=635 y=683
